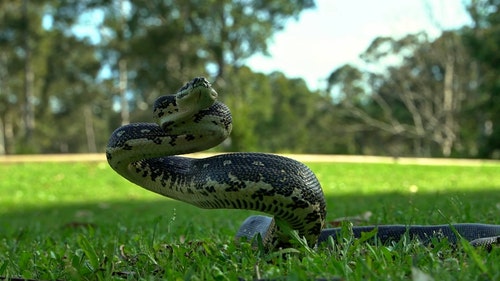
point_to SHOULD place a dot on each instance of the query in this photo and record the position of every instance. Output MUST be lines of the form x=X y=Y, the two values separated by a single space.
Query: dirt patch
x=100 y=157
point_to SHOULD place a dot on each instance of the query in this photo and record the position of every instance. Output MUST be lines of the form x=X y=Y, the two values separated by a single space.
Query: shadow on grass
x=176 y=219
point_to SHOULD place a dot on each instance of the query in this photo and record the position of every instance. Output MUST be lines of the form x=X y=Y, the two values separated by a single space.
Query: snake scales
x=192 y=120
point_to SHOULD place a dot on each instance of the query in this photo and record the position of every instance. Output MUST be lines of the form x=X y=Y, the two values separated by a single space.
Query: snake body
x=191 y=121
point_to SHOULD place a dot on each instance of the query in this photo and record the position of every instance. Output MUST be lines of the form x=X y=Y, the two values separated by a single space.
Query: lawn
x=81 y=221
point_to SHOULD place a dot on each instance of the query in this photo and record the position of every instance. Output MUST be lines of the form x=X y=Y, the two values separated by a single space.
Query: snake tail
x=478 y=234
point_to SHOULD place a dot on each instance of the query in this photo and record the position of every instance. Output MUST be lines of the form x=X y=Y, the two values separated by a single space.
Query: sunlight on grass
x=386 y=178
x=38 y=184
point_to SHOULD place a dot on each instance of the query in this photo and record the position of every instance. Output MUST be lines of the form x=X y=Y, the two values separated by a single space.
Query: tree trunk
x=89 y=129
x=28 y=107
x=125 y=112
x=449 y=122
x=2 y=138
x=8 y=133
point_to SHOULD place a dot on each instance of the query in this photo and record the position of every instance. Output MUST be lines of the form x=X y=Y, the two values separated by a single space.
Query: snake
x=193 y=120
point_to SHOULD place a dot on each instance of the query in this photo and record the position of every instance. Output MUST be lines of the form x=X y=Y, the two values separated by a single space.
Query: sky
x=336 y=32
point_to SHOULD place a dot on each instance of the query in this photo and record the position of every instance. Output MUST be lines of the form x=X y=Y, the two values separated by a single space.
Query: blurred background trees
x=413 y=96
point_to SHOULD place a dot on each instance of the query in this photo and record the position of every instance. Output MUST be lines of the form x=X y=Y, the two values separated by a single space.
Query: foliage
x=419 y=95
x=62 y=92
x=427 y=97
x=82 y=221
x=484 y=44
x=272 y=113
x=143 y=50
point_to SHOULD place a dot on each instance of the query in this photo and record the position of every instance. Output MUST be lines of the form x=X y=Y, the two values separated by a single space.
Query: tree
x=51 y=80
x=483 y=42
x=165 y=44
x=418 y=98
x=19 y=37
x=69 y=96
x=145 y=49
x=235 y=30
x=292 y=107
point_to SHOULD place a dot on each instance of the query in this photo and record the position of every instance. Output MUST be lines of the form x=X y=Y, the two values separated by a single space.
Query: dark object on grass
x=478 y=235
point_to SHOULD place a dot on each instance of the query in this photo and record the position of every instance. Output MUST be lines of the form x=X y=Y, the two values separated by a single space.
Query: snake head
x=195 y=95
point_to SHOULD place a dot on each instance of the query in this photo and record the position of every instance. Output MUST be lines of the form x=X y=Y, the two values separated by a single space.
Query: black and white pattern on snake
x=143 y=153
x=268 y=183
x=191 y=121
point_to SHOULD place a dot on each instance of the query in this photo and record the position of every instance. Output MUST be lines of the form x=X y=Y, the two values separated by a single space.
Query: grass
x=81 y=221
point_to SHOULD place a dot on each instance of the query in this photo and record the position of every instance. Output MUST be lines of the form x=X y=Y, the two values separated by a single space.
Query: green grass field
x=81 y=221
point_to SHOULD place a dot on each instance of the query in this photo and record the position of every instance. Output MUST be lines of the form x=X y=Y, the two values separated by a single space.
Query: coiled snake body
x=192 y=120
